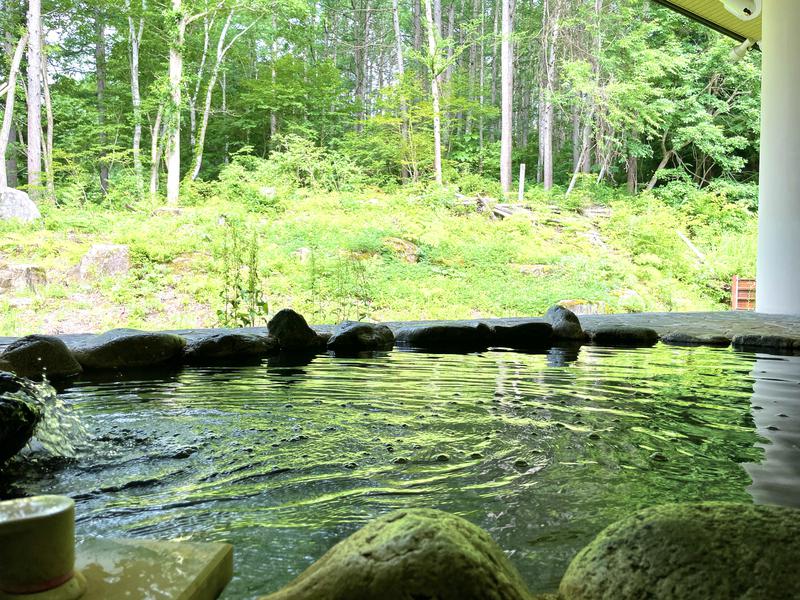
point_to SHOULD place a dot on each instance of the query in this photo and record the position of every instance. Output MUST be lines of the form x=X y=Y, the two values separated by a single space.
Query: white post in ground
x=778 y=265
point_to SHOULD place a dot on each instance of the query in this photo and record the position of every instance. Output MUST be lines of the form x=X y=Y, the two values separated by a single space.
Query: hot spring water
x=542 y=450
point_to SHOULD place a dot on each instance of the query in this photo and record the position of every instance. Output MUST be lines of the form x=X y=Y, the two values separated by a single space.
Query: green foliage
x=244 y=303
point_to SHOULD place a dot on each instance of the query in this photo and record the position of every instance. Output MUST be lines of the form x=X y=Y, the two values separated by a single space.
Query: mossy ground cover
x=411 y=254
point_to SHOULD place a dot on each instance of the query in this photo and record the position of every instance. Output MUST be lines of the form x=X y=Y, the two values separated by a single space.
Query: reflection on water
x=776 y=410
x=543 y=450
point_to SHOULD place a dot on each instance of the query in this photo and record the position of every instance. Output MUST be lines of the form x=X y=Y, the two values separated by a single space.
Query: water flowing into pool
x=542 y=450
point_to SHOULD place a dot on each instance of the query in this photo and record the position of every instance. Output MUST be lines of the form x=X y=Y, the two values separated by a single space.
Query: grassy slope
x=467 y=264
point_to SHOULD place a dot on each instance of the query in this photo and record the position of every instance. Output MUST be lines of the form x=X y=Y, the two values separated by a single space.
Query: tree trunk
x=100 y=75
x=224 y=86
x=633 y=174
x=155 y=152
x=8 y=115
x=398 y=37
x=415 y=10
x=135 y=41
x=437 y=123
x=507 y=97
x=481 y=82
x=208 y=24
x=664 y=161
x=273 y=116
x=212 y=82
x=34 y=141
x=550 y=27
x=174 y=113
x=47 y=143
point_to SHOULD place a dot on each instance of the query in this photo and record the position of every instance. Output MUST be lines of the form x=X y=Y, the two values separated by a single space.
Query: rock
x=19 y=415
x=35 y=356
x=16 y=204
x=408 y=251
x=415 y=553
x=565 y=323
x=303 y=255
x=688 y=339
x=773 y=343
x=128 y=348
x=293 y=333
x=706 y=551
x=457 y=338
x=584 y=307
x=534 y=334
x=104 y=260
x=534 y=270
x=624 y=336
x=229 y=347
x=21 y=277
x=351 y=336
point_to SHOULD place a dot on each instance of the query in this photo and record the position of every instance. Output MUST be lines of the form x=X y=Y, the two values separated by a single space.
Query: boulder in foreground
x=352 y=336
x=129 y=348
x=706 y=551
x=35 y=356
x=293 y=333
x=415 y=553
x=19 y=415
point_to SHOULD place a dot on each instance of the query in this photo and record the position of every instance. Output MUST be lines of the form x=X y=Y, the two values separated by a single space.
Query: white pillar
x=778 y=266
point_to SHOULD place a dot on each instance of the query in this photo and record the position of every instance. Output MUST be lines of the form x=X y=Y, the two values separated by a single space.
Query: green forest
x=371 y=159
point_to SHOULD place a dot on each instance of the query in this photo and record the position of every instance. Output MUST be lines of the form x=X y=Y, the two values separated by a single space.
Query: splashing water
x=60 y=432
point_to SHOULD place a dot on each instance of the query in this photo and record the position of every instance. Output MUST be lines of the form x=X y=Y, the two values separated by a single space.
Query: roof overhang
x=713 y=14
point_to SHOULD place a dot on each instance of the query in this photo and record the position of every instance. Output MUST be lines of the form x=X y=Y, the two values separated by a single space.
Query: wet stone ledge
x=289 y=333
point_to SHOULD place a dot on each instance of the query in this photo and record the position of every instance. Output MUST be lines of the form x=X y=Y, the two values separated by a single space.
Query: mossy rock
x=352 y=336
x=408 y=554
x=704 y=551
x=129 y=348
x=522 y=336
x=631 y=337
x=293 y=333
x=229 y=347
x=35 y=356
x=688 y=339
x=565 y=323
x=779 y=344
x=451 y=337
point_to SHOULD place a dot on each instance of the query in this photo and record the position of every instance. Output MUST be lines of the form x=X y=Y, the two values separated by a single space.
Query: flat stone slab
x=153 y=569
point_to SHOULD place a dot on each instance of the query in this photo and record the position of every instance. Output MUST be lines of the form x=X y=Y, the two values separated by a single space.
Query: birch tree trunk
x=437 y=122
x=34 y=141
x=481 y=84
x=398 y=37
x=100 y=75
x=174 y=114
x=273 y=116
x=8 y=113
x=47 y=137
x=507 y=97
x=135 y=41
x=550 y=28
x=155 y=151
x=208 y=23
x=222 y=51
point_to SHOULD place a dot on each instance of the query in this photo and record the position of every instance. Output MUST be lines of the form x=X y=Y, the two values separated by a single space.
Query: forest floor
x=337 y=256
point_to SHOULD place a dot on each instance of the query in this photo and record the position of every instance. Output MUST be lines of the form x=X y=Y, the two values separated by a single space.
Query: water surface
x=542 y=450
